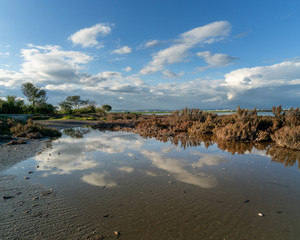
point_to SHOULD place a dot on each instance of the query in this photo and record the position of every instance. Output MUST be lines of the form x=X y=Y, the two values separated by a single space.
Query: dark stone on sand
x=7 y=197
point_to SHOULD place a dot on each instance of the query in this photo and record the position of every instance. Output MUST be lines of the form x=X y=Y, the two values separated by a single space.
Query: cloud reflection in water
x=68 y=155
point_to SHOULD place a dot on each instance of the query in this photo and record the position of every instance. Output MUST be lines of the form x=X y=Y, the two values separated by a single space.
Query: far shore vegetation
x=242 y=125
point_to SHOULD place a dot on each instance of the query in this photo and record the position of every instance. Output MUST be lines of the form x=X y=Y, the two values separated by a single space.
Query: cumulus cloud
x=122 y=50
x=176 y=53
x=127 y=69
x=169 y=74
x=50 y=64
x=11 y=79
x=87 y=37
x=215 y=60
x=151 y=43
x=281 y=74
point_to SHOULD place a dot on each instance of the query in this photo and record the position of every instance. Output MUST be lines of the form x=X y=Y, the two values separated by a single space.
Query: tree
x=76 y=102
x=12 y=105
x=106 y=107
x=65 y=107
x=35 y=95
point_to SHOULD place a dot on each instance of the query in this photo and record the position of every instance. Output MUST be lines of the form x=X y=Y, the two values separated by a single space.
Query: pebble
x=30 y=172
x=7 y=197
x=105 y=216
x=171 y=182
x=35 y=198
x=117 y=233
x=26 y=178
x=260 y=215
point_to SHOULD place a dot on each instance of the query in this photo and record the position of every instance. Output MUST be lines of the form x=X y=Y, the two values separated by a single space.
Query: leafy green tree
x=65 y=107
x=35 y=95
x=12 y=105
x=106 y=107
x=76 y=102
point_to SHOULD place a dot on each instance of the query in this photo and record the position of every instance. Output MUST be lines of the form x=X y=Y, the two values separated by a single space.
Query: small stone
x=105 y=216
x=37 y=166
x=171 y=182
x=26 y=178
x=7 y=197
x=30 y=172
x=117 y=233
x=246 y=201
x=260 y=215
x=35 y=198
x=279 y=212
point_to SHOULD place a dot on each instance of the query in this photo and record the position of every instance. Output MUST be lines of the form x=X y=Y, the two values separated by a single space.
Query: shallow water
x=147 y=189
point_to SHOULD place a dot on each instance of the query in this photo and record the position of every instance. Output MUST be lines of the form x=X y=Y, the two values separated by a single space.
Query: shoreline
x=13 y=154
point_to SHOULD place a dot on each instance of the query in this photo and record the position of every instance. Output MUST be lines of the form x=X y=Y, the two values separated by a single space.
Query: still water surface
x=147 y=189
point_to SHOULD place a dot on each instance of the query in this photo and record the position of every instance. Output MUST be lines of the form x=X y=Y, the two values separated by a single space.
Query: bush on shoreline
x=28 y=130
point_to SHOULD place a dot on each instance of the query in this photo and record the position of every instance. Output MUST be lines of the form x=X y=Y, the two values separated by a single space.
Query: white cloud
x=176 y=53
x=127 y=69
x=215 y=60
x=169 y=74
x=281 y=74
x=4 y=54
x=151 y=43
x=123 y=50
x=87 y=37
x=50 y=64
x=11 y=79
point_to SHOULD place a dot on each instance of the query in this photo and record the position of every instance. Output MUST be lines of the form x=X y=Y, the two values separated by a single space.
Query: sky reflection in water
x=104 y=159
x=91 y=154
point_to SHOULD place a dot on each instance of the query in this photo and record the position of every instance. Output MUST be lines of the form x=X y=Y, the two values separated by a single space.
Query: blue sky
x=154 y=54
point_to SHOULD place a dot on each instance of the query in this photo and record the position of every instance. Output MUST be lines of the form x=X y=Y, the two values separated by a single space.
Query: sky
x=154 y=55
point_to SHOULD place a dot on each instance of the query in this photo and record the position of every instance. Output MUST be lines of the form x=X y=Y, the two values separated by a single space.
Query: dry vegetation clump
x=243 y=126
x=33 y=130
x=288 y=137
x=187 y=123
